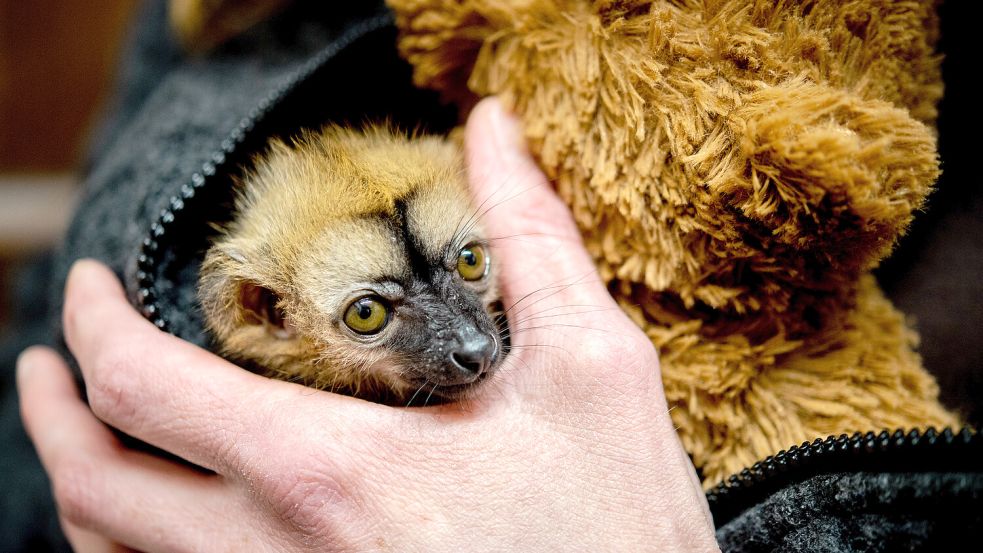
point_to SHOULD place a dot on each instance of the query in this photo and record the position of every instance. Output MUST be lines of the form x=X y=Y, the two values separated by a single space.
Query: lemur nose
x=473 y=353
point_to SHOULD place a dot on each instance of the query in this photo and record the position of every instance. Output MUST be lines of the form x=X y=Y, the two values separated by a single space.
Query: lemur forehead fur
x=355 y=263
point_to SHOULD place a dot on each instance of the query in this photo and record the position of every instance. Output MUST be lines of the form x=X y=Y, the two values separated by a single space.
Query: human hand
x=569 y=448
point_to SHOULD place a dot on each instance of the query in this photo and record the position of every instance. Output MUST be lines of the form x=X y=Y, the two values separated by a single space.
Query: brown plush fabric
x=737 y=169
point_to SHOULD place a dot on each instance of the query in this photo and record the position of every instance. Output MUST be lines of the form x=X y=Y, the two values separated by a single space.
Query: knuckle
x=632 y=343
x=605 y=348
x=74 y=485
x=221 y=439
x=311 y=501
x=110 y=386
x=621 y=355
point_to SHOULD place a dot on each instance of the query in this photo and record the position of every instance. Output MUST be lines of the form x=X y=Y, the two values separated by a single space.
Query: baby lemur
x=355 y=263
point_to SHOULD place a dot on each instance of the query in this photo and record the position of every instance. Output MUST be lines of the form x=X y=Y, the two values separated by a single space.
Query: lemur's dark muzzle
x=472 y=353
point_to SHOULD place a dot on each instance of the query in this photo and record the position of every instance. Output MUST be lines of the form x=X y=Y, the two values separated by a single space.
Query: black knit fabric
x=864 y=512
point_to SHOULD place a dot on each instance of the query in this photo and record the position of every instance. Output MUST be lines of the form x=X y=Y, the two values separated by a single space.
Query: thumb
x=536 y=247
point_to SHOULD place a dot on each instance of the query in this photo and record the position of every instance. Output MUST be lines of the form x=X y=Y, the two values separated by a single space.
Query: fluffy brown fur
x=737 y=169
x=315 y=226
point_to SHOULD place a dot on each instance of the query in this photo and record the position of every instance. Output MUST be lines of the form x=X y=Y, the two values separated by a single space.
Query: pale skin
x=570 y=448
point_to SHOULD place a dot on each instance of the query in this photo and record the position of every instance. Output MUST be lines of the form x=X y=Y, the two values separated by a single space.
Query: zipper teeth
x=151 y=248
x=810 y=456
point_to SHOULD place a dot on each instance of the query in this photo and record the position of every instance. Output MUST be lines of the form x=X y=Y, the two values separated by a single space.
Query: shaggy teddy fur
x=737 y=168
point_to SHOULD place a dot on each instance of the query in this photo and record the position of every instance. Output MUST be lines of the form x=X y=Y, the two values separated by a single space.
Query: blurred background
x=57 y=58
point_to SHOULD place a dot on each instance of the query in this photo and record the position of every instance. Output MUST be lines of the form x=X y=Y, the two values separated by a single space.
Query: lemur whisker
x=534 y=292
x=558 y=325
x=556 y=290
x=525 y=346
x=498 y=316
x=475 y=219
x=418 y=390
x=521 y=234
x=426 y=401
x=537 y=316
x=476 y=215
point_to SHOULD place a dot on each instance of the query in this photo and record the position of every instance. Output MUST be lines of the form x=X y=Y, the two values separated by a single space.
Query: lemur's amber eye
x=367 y=315
x=472 y=262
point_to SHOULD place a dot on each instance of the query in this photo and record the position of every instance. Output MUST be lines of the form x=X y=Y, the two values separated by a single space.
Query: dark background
x=936 y=274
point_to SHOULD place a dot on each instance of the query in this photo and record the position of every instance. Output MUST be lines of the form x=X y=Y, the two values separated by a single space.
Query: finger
x=545 y=272
x=146 y=503
x=128 y=497
x=52 y=411
x=563 y=321
x=84 y=541
x=179 y=397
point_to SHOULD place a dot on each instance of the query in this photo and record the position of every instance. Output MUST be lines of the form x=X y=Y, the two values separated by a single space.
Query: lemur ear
x=231 y=297
x=260 y=305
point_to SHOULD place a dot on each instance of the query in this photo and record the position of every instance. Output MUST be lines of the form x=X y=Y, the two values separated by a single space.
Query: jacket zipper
x=148 y=257
x=900 y=451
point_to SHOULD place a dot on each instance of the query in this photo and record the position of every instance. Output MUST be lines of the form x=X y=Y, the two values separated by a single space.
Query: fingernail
x=73 y=272
x=82 y=270
x=79 y=265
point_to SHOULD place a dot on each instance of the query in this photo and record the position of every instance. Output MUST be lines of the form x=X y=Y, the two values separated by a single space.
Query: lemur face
x=355 y=263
